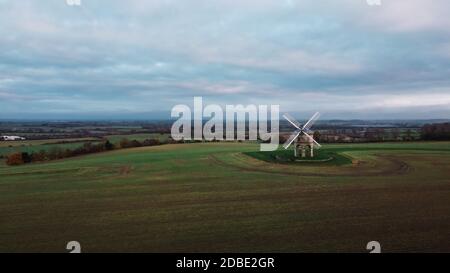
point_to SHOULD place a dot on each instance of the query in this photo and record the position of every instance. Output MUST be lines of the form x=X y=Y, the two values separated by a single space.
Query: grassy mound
x=321 y=156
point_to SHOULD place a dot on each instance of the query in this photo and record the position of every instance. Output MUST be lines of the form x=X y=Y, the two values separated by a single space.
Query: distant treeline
x=82 y=129
x=56 y=152
x=438 y=131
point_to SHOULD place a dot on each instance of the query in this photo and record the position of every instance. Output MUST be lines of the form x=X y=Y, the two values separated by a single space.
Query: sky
x=136 y=58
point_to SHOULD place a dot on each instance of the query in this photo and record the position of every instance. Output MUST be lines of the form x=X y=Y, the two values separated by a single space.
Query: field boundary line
x=400 y=168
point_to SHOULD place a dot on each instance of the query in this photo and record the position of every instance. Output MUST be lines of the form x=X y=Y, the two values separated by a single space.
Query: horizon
x=145 y=119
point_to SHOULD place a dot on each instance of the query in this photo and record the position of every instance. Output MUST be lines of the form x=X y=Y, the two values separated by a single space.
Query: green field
x=8 y=147
x=216 y=197
x=139 y=137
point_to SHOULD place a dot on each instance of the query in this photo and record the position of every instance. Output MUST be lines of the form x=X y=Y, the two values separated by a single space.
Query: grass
x=211 y=197
x=138 y=137
x=8 y=147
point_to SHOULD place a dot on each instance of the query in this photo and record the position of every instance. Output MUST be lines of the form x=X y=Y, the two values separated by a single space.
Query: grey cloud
x=138 y=55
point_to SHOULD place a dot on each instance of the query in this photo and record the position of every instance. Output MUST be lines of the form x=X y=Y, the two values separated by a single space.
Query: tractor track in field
x=398 y=167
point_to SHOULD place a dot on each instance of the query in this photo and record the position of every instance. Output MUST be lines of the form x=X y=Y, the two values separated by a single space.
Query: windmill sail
x=301 y=130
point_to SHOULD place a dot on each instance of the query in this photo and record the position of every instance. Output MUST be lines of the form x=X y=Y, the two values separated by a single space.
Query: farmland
x=8 y=147
x=224 y=197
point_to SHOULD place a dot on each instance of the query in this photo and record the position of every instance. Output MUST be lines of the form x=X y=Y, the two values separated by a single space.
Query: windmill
x=301 y=138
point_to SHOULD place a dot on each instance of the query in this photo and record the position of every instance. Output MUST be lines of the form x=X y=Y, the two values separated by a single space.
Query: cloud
x=138 y=55
x=412 y=100
x=412 y=16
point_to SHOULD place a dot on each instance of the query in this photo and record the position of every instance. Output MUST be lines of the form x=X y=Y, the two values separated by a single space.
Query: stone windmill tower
x=304 y=146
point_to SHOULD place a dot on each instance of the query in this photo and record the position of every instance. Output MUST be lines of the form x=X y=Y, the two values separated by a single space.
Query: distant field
x=41 y=142
x=215 y=197
x=8 y=147
x=139 y=137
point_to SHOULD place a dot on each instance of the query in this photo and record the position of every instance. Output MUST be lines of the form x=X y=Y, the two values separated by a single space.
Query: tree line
x=56 y=152
x=436 y=131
